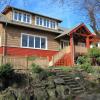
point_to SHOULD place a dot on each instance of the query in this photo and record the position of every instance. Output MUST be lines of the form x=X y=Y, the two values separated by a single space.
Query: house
x=25 y=33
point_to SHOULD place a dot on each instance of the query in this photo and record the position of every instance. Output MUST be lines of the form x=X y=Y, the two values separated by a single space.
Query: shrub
x=94 y=52
x=36 y=68
x=6 y=70
x=83 y=59
x=87 y=67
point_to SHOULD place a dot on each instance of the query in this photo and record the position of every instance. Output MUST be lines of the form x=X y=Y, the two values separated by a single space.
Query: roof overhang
x=30 y=26
x=74 y=29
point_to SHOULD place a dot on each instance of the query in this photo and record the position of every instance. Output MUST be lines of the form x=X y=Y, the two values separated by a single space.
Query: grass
x=63 y=68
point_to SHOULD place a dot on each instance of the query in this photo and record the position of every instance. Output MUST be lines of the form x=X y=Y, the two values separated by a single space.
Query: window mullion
x=40 y=42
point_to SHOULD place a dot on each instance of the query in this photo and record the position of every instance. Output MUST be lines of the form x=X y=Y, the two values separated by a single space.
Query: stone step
x=67 y=77
x=72 y=85
x=71 y=82
x=68 y=80
x=62 y=75
x=77 y=88
x=78 y=92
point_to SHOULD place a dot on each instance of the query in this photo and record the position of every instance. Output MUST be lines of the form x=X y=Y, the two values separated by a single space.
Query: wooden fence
x=24 y=63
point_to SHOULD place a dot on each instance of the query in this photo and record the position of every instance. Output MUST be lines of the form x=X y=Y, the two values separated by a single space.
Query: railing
x=59 y=55
x=80 y=49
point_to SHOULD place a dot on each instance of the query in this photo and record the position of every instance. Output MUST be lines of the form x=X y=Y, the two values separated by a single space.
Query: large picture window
x=33 y=41
x=22 y=17
x=40 y=21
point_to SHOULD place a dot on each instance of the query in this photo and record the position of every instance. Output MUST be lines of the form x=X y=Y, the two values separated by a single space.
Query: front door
x=64 y=43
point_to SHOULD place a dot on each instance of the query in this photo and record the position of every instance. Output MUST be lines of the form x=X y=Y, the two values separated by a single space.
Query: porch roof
x=71 y=30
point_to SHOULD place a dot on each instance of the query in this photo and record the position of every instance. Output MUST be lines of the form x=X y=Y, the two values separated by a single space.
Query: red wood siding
x=15 y=51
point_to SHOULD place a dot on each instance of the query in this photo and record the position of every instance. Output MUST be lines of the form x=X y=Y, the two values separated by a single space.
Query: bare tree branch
x=91 y=7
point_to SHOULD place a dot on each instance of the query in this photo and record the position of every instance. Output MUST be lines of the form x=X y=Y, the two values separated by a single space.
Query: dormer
x=31 y=18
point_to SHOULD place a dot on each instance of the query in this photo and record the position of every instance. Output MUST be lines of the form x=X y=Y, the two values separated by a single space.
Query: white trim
x=34 y=41
x=22 y=17
x=47 y=21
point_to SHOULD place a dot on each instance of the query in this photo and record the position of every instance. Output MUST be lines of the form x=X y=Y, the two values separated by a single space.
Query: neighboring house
x=24 y=33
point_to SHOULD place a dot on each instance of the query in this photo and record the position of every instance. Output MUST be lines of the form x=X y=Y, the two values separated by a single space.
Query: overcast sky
x=68 y=15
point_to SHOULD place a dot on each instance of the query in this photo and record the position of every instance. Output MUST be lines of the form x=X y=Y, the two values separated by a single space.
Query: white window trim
x=46 y=22
x=22 y=17
x=46 y=48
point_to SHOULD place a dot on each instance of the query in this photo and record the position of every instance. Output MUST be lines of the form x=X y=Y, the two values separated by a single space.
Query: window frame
x=46 y=42
x=22 y=17
x=48 y=22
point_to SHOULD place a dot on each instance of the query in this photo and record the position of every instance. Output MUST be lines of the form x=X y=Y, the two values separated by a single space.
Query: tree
x=90 y=8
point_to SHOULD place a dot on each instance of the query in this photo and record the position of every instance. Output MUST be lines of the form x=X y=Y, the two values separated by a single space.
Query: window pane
x=20 y=16
x=43 y=43
x=40 y=21
x=24 y=40
x=15 y=15
x=53 y=24
x=37 y=42
x=37 y=20
x=28 y=18
x=24 y=17
x=47 y=23
x=50 y=24
x=31 y=41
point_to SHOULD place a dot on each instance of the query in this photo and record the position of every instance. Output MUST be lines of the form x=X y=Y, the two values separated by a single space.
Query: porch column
x=72 y=49
x=87 y=42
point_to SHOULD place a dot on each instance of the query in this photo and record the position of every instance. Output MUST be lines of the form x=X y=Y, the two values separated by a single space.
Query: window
x=15 y=15
x=48 y=23
x=37 y=42
x=40 y=21
x=37 y=21
x=22 y=17
x=45 y=22
x=43 y=43
x=32 y=41
x=25 y=40
x=28 y=18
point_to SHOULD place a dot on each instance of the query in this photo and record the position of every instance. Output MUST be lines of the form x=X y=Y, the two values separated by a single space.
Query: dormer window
x=22 y=17
x=44 y=22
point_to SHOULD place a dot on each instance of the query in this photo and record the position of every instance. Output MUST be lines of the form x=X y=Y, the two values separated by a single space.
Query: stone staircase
x=75 y=87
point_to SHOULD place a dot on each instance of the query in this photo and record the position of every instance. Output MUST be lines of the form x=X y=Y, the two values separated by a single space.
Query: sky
x=66 y=13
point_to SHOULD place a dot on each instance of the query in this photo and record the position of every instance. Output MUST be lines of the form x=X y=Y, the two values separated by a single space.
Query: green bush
x=87 y=67
x=6 y=71
x=83 y=60
x=85 y=63
x=94 y=52
x=36 y=68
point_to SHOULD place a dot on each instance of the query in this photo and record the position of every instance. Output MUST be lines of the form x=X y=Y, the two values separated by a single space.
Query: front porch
x=79 y=40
